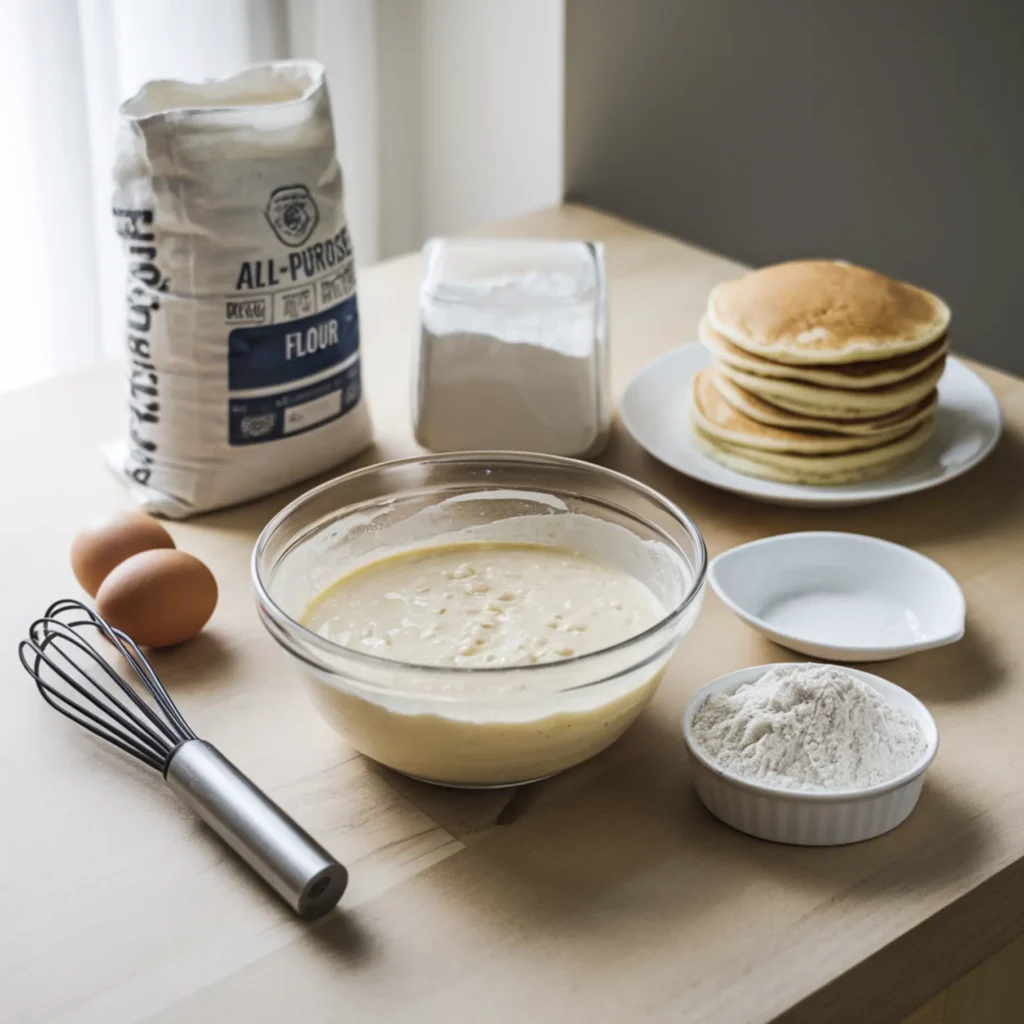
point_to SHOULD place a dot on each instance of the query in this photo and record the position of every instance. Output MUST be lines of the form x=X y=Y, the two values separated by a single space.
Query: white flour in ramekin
x=808 y=727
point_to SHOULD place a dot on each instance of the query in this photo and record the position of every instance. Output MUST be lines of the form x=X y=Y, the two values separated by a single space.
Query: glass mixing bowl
x=479 y=726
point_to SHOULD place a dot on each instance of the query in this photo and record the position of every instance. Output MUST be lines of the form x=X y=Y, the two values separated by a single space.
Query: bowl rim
x=850 y=539
x=288 y=625
x=752 y=672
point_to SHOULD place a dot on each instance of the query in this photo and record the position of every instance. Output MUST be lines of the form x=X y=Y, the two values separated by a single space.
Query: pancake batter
x=483 y=606
x=488 y=606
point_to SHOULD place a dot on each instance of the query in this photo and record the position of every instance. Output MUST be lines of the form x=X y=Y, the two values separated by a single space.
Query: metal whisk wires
x=78 y=681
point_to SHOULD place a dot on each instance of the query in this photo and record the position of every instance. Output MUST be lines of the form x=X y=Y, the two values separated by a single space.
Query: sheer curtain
x=447 y=113
x=47 y=269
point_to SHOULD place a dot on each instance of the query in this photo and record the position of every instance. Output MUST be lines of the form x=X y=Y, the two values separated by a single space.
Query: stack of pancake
x=822 y=372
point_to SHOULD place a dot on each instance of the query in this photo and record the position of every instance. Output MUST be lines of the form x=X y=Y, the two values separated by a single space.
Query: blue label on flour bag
x=290 y=377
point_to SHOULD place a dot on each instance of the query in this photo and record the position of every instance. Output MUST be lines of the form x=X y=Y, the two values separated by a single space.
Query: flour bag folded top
x=242 y=328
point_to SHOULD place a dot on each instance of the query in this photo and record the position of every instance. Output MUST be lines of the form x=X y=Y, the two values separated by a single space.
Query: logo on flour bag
x=291 y=211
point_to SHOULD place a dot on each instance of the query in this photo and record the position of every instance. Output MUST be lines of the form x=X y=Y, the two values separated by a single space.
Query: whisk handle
x=290 y=861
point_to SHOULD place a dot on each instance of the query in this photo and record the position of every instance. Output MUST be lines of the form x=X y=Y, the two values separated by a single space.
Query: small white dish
x=656 y=411
x=841 y=596
x=826 y=818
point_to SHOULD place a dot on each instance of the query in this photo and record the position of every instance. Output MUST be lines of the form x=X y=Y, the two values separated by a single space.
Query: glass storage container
x=513 y=347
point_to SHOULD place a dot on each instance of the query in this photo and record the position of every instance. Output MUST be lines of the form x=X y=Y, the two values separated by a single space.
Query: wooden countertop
x=605 y=894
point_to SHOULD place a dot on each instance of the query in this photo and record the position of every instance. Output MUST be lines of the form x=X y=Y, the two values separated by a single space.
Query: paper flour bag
x=242 y=328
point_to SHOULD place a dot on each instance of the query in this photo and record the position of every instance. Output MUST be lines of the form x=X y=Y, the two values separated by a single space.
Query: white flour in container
x=509 y=362
x=808 y=727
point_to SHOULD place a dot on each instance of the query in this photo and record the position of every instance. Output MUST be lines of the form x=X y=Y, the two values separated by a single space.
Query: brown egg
x=106 y=543
x=159 y=597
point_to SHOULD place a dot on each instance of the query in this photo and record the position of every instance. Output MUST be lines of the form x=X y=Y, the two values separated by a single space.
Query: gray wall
x=887 y=132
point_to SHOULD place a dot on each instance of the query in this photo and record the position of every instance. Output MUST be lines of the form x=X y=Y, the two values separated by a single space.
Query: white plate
x=656 y=405
x=841 y=596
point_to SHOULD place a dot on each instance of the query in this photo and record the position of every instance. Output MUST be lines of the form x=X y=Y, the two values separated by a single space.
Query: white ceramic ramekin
x=808 y=819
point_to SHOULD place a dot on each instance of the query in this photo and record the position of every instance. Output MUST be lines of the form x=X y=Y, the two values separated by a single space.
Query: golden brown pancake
x=716 y=418
x=820 y=470
x=825 y=311
x=867 y=374
x=837 y=403
x=878 y=427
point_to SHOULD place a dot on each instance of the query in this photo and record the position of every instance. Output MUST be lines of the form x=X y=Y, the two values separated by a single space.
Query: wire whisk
x=80 y=682
x=118 y=714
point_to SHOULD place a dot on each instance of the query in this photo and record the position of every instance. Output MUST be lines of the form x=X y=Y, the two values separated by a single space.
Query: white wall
x=492 y=110
x=470 y=113
x=342 y=35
